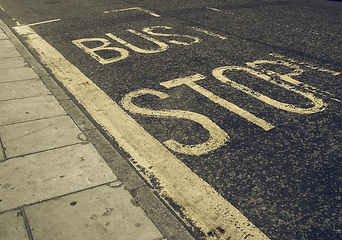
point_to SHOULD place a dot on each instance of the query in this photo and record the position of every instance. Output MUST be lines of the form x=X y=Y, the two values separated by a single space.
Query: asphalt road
x=267 y=75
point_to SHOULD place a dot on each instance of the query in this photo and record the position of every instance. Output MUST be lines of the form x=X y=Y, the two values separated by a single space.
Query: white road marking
x=121 y=10
x=209 y=33
x=124 y=53
x=291 y=63
x=319 y=104
x=305 y=64
x=48 y=21
x=189 y=81
x=201 y=204
x=214 y=9
x=16 y=22
x=149 y=12
x=134 y=8
x=162 y=46
x=217 y=137
x=104 y=47
x=149 y=30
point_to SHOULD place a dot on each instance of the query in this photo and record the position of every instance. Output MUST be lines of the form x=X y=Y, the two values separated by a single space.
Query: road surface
x=243 y=95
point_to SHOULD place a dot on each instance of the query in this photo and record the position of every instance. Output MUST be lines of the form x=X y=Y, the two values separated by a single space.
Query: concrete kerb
x=167 y=223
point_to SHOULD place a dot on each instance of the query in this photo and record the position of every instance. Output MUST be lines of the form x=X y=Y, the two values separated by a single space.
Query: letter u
x=161 y=46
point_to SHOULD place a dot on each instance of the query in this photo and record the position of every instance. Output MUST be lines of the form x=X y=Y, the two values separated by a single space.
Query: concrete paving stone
x=2 y=155
x=22 y=89
x=6 y=43
x=45 y=175
x=3 y=36
x=105 y=212
x=115 y=161
x=12 y=62
x=32 y=62
x=17 y=74
x=28 y=109
x=8 y=52
x=12 y=226
x=34 y=65
x=40 y=135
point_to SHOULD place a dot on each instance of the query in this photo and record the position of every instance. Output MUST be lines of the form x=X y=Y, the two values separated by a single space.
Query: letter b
x=104 y=47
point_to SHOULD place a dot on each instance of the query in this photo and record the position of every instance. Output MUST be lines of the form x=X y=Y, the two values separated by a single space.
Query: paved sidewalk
x=57 y=176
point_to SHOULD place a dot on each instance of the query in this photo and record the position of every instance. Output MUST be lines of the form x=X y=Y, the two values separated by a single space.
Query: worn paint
x=190 y=82
x=205 y=208
x=134 y=8
x=319 y=104
x=162 y=46
x=209 y=33
x=43 y=22
x=149 y=30
x=217 y=138
x=92 y=51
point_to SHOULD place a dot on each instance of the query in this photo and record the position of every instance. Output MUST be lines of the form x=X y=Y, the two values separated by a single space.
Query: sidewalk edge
x=170 y=226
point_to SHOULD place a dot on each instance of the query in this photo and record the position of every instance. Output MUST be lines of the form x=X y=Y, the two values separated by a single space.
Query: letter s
x=217 y=138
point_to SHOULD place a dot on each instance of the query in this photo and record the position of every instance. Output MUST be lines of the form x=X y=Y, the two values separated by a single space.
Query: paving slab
x=2 y=155
x=120 y=166
x=12 y=62
x=40 y=135
x=6 y=43
x=8 y=52
x=45 y=175
x=105 y=212
x=28 y=109
x=22 y=89
x=12 y=226
x=3 y=35
x=17 y=74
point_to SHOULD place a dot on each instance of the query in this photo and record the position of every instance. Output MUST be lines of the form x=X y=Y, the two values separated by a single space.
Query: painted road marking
x=121 y=10
x=254 y=69
x=201 y=205
x=124 y=53
x=209 y=33
x=149 y=30
x=214 y=9
x=305 y=64
x=105 y=43
x=162 y=46
x=319 y=104
x=48 y=21
x=134 y=8
x=37 y=23
x=217 y=137
x=190 y=82
x=291 y=63
x=287 y=83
